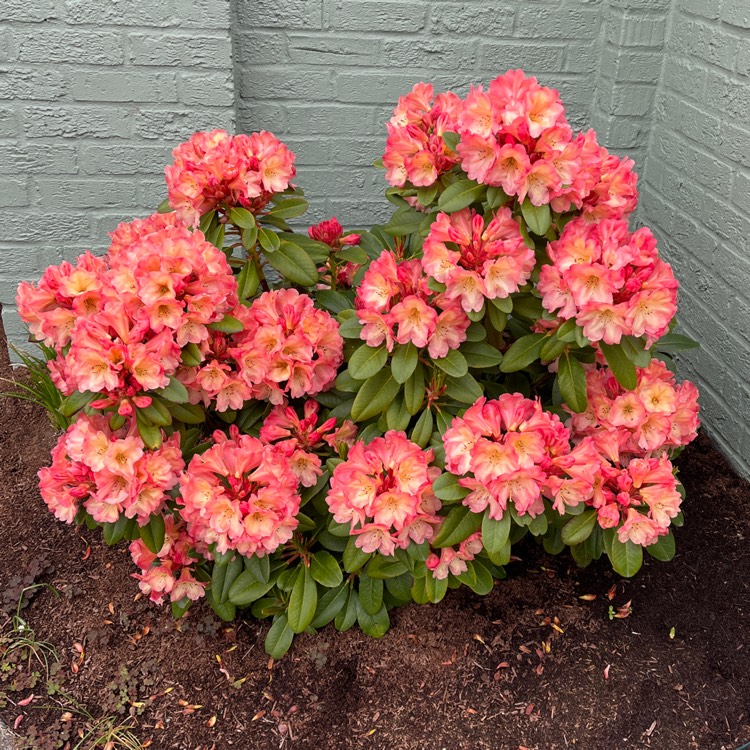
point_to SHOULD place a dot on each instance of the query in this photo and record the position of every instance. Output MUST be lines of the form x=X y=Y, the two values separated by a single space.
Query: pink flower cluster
x=108 y=473
x=287 y=346
x=415 y=149
x=610 y=280
x=514 y=136
x=476 y=259
x=331 y=233
x=240 y=494
x=299 y=438
x=636 y=496
x=508 y=446
x=454 y=560
x=170 y=572
x=126 y=316
x=395 y=305
x=216 y=170
x=658 y=415
x=384 y=491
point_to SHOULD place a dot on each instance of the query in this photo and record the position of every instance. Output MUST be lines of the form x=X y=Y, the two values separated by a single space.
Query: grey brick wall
x=94 y=94
x=327 y=73
x=696 y=196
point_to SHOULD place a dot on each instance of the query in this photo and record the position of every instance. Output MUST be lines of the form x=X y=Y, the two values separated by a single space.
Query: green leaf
x=279 y=638
x=663 y=548
x=247 y=281
x=289 y=208
x=350 y=328
x=496 y=197
x=404 y=362
x=354 y=558
x=191 y=355
x=329 y=605
x=228 y=324
x=552 y=349
x=396 y=415
x=675 y=342
x=367 y=361
x=114 y=532
x=465 y=390
x=269 y=240
x=346 y=618
x=188 y=413
x=426 y=195
x=226 y=610
x=447 y=488
x=246 y=588
x=459 y=195
x=435 y=588
x=385 y=567
x=538 y=218
x=626 y=558
x=523 y=352
x=352 y=254
x=422 y=431
x=567 y=331
x=164 y=207
x=325 y=569
x=571 y=378
x=406 y=220
x=241 y=218
x=579 y=528
x=75 y=402
x=370 y=593
x=259 y=568
x=233 y=569
x=293 y=263
x=174 y=392
x=400 y=587
x=634 y=351
x=453 y=364
x=622 y=368
x=451 y=139
x=480 y=354
x=503 y=304
x=376 y=626
x=333 y=301
x=249 y=238
x=495 y=534
x=414 y=390
x=303 y=602
x=374 y=396
x=484 y=581
x=459 y=524
x=153 y=533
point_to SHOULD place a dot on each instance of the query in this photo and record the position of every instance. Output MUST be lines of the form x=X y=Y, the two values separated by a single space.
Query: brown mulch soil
x=498 y=672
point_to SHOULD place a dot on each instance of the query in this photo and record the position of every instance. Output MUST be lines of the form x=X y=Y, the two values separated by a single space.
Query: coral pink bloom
x=539 y=182
x=240 y=495
x=638 y=528
x=601 y=322
x=450 y=332
x=477 y=117
x=490 y=261
x=510 y=169
x=416 y=321
x=478 y=155
x=382 y=490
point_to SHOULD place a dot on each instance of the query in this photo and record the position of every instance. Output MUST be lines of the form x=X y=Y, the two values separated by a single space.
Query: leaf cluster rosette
x=318 y=426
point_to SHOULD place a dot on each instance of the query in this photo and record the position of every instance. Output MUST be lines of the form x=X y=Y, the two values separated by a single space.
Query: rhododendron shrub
x=317 y=426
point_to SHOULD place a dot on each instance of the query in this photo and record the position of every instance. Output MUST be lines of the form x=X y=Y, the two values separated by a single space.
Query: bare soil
x=531 y=666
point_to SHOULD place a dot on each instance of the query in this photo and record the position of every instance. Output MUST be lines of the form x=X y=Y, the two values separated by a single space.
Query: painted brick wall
x=696 y=197
x=94 y=94
x=327 y=73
